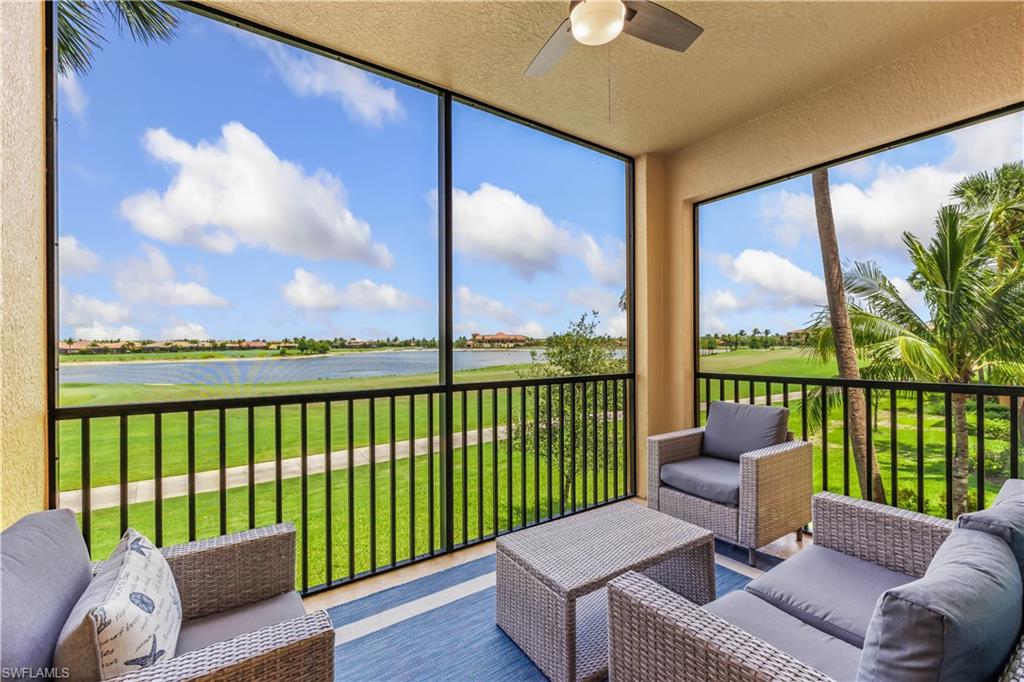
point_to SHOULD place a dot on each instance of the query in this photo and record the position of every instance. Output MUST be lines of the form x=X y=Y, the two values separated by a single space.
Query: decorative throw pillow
x=127 y=619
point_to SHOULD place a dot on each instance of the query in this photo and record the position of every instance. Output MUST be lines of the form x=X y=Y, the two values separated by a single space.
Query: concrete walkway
x=238 y=476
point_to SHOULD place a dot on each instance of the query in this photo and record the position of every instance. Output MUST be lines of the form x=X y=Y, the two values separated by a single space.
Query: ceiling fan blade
x=556 y=46
x=655 y=24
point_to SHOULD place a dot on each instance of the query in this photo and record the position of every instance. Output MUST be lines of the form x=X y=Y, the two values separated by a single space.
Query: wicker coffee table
x=550 y=580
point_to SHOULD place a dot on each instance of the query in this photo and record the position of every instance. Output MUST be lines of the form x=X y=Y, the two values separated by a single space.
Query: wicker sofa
x=749 y=498
x=797 y=621
x=242 y=619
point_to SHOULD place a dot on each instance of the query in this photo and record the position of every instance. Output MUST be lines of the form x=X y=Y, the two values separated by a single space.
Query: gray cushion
x=711 y=478
x=735 y=428
x=202 y=632
x=810 y=646
x=1004 y=519
x=44 y=568
x=959 y=622
x=829 y=590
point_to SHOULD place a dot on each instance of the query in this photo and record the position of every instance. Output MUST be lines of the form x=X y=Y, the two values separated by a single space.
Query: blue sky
x=759 y=254
x=224 y=186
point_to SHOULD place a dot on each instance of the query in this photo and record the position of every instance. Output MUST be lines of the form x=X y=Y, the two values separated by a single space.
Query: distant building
x=797 y=337
x=253 y=345
x=499 y=340
x=358 y=343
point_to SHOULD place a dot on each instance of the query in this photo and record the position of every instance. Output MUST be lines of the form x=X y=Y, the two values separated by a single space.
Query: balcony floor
x=435 y=619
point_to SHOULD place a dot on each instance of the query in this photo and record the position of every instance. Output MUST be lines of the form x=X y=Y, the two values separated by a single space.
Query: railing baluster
x=328 y=496
x=586 y=436
x=522 y=465
x=561 y=449
x=596 y=442
x=392 y=443
x=123 y=479
x=735 y=390
x=824 y=435
x=158 y=471
x=548 y=415
x=479 y=464
x=350 y=480
x=87 y=485
x=509 y=431
x=465 y=480
x=894 y=483
x=768 y=393
x=430 y=472
x=604 y=422
x=495 y=443
x=615 y=434
x=785 y=394
x=572 y=444
x=979 y=477
x=803 y=411
x=869 y=444
x=536 y=454
x=721 y=389
x=412 y=477
x=630 y=426
x=1014 y=431
x=191 y=430
x=251 y=429
x=222 y=474
x=707 y=399
x=304 y=464
x=372 y=428
x=278 y=463
x=920 y=451
x=751 y=392
x=846 y=442
x=949 y=453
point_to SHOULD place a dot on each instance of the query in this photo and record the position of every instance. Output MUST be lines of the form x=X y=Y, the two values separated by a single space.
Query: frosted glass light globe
x=596 y=22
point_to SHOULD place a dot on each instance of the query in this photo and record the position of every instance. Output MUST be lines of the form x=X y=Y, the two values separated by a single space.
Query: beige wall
x=977 y=70
x=22 y=262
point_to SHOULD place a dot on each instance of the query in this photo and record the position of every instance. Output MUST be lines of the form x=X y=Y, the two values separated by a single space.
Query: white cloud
x=531 y=328
x=607 y=269
x=474 y=304
x=788 y=214
x=496 y=224
x=363 y=96
x=76 y=258
x=97 y=331
x=183 y=329
x=721 y=300
x=775 y=280
x=310 y=292
x=238 y=191
x=152 y=280
x=606 y=303
x=987 y=145
x=73 y=93
x=82 y=310
x=712 y=325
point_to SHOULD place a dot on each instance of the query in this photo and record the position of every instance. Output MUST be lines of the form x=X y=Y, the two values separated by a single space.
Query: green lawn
x=479 y=469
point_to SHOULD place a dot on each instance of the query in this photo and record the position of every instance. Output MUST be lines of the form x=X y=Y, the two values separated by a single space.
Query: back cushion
x=44 y=568
x=959 y=622
x=1004 y=519
x=735 y=428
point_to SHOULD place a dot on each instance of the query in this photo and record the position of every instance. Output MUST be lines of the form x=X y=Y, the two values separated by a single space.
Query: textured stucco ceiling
x=752 y=58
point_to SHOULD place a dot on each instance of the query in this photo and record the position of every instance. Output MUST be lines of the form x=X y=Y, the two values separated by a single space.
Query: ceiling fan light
x=596 y=22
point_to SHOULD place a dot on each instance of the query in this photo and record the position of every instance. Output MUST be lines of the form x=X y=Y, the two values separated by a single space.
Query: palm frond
x=147 y=21
x=80 y=28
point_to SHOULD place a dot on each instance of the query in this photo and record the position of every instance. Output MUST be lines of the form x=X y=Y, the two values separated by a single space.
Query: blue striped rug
x=456 y=640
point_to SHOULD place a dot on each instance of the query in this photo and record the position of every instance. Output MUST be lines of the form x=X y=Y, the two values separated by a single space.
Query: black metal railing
x=916 y=431
x=372 y=479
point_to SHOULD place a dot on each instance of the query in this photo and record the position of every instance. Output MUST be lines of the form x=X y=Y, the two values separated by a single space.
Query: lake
x=276 y=370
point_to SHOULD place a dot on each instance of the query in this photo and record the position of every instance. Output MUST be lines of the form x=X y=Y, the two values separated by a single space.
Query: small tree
x=578 y=414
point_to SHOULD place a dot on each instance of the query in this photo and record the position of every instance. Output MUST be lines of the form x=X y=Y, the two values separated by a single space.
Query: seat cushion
x=735 y=428
x=127 y=619
x=1004 y=519
x=829 y=590
x=710 y=478
x=44 y=569
x=959 y=622
x=202 y=632
x=810 y=646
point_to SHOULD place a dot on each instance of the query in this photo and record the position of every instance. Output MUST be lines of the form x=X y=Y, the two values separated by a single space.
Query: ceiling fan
x=596 y=22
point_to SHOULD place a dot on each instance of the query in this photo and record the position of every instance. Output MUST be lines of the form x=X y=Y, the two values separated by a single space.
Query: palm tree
x=976 y=319
x=767 y=334
x=845 y=349
x=1000 y=195
x=80 y=24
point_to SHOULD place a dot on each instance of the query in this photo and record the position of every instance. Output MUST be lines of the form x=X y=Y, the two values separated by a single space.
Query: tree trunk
x=842 y=334
x=961 y=466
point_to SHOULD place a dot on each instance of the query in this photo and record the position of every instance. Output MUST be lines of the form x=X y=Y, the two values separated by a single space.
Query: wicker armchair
x=235 y=571
x=656 y=634
x=775 y=488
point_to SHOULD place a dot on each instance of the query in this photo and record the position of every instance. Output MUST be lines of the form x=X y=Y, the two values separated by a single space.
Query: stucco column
x=22 y=262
